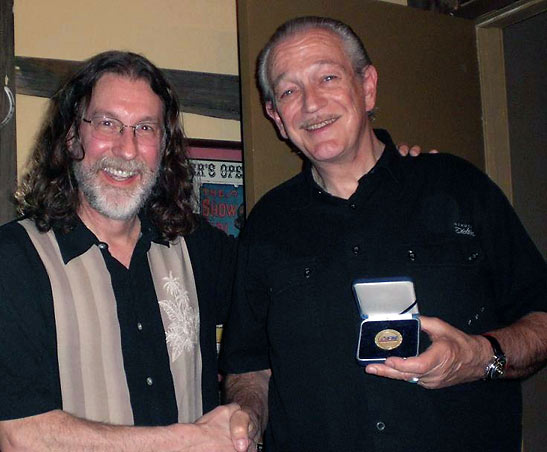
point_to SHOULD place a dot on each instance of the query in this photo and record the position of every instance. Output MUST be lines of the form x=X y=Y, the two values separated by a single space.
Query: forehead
x=314 y=46
x=115 y=93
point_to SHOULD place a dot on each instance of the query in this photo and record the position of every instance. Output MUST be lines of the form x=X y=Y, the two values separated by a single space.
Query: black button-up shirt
x=29 y=374
x=435 y=219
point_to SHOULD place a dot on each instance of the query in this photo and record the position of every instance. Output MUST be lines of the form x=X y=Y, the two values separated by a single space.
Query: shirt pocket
x=445 y=252
x=294 y=302
x=451 y=281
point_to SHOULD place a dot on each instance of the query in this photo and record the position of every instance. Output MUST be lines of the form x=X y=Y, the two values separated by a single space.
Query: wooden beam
x=202 y=93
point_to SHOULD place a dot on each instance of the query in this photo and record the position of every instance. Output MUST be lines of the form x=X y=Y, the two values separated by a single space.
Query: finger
x=428 y=380
x=415 y=150
x=223 y=410
x=403 y=149
x=418 y=365
x=240 y=426
x=435 y=327
x=382 y=370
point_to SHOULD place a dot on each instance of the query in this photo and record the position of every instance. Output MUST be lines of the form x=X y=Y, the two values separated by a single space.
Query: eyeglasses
x=109 y=129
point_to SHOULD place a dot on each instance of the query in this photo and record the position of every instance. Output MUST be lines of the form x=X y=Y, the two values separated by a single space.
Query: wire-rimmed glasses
x=109 y=129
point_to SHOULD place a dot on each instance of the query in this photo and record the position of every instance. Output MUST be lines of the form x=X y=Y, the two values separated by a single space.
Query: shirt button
x=103 y=246
x=307 y=272
x=139 y=326
x=411 y=255
x=380 y=426
x=352 y=206
x=356 y=249
x=473 y=257
x=149 y=381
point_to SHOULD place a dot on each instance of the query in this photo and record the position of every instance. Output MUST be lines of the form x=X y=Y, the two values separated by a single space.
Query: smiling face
x=117 y=174
x=320 y=103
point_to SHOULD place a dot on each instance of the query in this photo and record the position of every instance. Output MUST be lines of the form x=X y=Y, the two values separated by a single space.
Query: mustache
x=317 y=120
x=119 y=164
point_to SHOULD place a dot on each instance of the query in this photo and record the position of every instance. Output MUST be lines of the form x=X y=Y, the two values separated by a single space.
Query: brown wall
x=526 y=54
x=525 y=63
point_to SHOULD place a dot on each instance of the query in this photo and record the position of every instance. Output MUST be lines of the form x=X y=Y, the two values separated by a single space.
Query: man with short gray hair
x=359 y=210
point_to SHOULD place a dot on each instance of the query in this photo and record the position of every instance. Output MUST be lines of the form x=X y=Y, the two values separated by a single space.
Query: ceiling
x=469 y=9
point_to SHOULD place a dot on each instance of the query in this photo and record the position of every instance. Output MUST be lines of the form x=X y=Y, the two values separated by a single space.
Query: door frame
x=489 y=32
x=8 y=148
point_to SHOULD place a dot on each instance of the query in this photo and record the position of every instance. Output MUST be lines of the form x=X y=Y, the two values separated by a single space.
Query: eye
x=286 y=93
x=148 y=129
x=105 y=123
x=328 y=78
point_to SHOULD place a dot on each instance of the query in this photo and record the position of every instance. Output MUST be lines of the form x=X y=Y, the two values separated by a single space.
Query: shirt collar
x=389 y=163
x=390 y=160
x=80 y=239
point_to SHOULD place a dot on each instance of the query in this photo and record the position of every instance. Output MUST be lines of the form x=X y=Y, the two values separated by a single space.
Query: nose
x=313 y=99
x=125 y=146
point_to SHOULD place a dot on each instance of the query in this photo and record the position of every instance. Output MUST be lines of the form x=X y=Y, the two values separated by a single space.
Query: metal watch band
x=496 y=367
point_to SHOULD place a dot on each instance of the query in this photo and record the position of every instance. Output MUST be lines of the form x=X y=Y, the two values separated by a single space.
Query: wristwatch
x=496 y=367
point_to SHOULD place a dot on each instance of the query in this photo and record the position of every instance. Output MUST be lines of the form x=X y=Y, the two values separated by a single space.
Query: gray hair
x=352 y=43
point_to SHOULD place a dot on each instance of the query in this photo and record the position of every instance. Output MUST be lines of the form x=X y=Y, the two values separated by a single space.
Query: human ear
x=274 y=115
x=369 y=84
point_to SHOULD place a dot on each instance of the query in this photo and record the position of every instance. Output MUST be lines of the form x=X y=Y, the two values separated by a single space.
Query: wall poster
x=218 y=183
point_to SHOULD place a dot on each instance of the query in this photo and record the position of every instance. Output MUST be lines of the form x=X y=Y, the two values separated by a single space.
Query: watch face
x=500 y=365
x=496 y=368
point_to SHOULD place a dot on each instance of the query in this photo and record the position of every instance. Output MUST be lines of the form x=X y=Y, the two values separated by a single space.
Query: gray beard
x=114 y=202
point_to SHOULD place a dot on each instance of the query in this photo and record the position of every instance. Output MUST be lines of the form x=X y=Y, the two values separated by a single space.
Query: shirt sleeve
x=518 y=270
x=244 y=342
x=28 y=358
x=213 y=255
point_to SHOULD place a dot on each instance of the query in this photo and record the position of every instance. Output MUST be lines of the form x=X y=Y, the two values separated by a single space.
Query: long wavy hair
x=49 y=193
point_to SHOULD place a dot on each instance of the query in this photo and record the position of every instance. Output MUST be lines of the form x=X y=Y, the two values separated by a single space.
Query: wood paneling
x=202 y=93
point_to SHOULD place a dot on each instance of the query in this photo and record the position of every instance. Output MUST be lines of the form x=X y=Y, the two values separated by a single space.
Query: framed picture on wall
x=218 y=182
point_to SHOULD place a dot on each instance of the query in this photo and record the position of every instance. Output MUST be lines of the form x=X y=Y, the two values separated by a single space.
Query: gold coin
x=388 y=339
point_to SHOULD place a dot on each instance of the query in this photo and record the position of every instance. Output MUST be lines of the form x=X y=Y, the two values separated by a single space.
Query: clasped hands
x=243 y=430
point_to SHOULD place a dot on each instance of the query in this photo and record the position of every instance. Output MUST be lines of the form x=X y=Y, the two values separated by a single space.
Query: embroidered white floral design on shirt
x=182 y=332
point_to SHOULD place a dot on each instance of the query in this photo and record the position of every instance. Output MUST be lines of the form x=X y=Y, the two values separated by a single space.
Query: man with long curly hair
x=111 y=286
